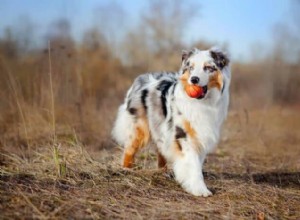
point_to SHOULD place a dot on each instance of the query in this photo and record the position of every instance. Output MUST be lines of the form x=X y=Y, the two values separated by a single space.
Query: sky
x=241 y=24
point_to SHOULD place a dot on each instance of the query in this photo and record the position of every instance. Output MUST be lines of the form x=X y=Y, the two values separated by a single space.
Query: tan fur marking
x=161 y=161
x=185 y=75
x=216 y=80
x=140 y=139
x=184 y=78
x=128 y=160
x=206 y=64
x=177 y=148
x=143 y=131
x=193 y=135
x=189 y=129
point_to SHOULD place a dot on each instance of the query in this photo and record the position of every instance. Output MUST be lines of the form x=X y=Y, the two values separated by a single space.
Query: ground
x=254 y=174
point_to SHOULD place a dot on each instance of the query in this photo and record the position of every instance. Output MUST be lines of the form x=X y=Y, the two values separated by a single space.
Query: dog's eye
x=209 y=68
x=191 y=68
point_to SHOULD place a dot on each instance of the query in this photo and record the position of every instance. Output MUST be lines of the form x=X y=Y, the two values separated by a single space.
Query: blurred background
x=65 y=65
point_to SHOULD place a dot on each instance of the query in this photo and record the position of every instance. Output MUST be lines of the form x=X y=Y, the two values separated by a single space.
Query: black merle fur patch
x=143 y=98
x=179 y=133
x=187 y=54
x=164 y=87
x=158 y=75
x=179 y=145
x=223 y=87
x=220 y=59
x=173 y=90
x=170 y=123
x=132 y=111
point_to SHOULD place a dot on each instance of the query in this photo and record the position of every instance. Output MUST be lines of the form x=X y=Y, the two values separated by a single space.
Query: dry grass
x=58 y=103
x=254 y=174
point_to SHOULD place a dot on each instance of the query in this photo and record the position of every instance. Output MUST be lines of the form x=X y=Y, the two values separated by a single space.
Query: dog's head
x=207 y=70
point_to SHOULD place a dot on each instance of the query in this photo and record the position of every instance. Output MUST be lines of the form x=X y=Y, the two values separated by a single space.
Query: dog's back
x=146 y=102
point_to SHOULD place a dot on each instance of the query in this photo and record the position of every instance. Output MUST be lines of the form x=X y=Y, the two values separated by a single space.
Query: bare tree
x=166 y=22
x=159 y=34
x=110 y=20
x=287 y=36
x=25 y=32
x=285 y=72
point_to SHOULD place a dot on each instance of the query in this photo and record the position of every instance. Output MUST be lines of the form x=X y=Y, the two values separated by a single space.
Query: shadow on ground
x=278 y=179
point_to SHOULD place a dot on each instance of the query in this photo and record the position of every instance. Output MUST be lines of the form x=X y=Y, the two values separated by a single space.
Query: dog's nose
x=195 y=79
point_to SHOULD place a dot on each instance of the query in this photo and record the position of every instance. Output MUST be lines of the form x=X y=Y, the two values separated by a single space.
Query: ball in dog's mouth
x=195 y=91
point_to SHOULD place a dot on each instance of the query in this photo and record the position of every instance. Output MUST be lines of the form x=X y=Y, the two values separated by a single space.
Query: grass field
x=254 y=174
x=61 y=82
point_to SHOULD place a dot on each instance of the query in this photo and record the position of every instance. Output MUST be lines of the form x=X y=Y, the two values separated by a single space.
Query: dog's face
x=205 y=69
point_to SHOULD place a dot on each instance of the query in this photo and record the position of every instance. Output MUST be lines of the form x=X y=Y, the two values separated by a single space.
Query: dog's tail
x=126 y=119
x=123 y=126
x=124 y=123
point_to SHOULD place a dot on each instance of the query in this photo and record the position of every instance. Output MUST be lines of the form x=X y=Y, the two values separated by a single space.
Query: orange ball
x=194 y=91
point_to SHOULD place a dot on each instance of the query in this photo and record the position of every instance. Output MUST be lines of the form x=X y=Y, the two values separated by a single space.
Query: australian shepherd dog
x=181 y=113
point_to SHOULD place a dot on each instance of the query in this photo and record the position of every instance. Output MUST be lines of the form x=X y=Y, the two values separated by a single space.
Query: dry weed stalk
x=60 y=162
x=12 y=86
x=52 y=95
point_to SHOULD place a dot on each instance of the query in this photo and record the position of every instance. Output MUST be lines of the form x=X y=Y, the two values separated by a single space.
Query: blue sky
x=239 y=23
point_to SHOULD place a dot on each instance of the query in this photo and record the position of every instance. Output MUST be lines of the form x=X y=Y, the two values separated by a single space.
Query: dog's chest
x=203 y=119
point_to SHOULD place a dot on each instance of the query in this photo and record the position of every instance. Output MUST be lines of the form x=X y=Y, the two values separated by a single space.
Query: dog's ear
x=187 y=54
x=220 y=58
x=184 y=55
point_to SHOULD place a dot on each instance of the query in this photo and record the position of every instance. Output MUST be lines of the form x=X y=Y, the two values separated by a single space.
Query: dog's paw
x=199 y=190
x=202 y=192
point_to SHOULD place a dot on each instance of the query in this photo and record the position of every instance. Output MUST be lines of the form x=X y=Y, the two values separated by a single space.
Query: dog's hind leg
x=129 y=132
x=161 y=160
x=139 y=138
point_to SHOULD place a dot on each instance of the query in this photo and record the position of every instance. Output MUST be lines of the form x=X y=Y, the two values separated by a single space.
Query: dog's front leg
x=188 y=172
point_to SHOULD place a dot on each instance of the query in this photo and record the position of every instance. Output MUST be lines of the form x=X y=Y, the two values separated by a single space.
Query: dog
x=159 y=109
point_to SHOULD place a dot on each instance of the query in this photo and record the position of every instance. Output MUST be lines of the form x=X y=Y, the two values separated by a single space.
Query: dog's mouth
x=196 y=91
x=204 y=91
